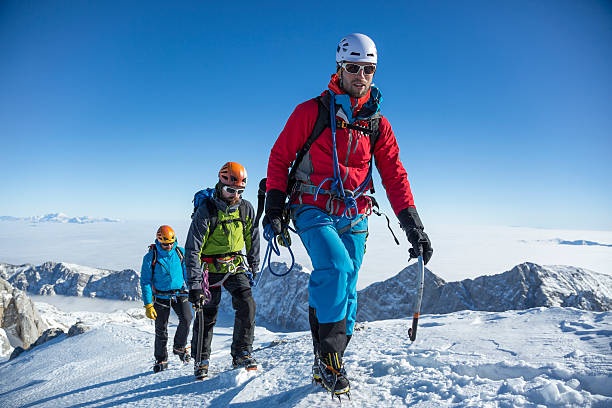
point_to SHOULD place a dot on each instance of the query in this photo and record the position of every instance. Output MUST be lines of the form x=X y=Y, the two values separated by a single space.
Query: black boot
x=316 y=369
x=244 y=360
x=181 y=353
x=200 y=370
x=333 y=374
x=160 y=365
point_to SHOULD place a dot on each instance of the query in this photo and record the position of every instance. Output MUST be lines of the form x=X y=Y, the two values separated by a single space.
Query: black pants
x=182 y=308
x=244 y=321
x=328 y=337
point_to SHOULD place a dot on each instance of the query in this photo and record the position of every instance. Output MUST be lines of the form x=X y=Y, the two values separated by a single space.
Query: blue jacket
x=169 y=273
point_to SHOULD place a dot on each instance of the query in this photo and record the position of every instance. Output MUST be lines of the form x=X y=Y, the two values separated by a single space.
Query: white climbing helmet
x=356 y=48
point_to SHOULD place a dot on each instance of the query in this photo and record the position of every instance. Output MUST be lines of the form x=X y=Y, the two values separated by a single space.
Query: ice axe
x=417 y=303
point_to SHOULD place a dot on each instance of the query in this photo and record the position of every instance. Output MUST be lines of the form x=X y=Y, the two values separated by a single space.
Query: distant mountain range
x=58 y=218
x=582 y=242
x=282 y=302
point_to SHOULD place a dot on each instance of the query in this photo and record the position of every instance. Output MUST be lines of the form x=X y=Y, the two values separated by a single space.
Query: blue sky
x=502 y=110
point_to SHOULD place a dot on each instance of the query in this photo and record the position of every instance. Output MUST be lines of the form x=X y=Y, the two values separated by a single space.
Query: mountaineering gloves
x=275 y=202
x=196 y=296
x=413 y=227
x=150 y=311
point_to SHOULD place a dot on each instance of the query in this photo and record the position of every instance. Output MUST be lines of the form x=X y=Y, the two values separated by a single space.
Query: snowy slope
x=538 y=357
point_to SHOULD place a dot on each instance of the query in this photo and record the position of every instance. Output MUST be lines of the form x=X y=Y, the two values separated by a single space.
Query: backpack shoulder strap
x=320 y=124
x=212 y=215
x=243 y=211
x=374 y=125
x=180 y=254
x=153 y=248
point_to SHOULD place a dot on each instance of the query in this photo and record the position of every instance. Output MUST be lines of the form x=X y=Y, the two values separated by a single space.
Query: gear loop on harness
x=268 y=235
x=232 y=268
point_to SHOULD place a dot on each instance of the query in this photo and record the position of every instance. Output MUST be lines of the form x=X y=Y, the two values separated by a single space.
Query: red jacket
x=353 y=149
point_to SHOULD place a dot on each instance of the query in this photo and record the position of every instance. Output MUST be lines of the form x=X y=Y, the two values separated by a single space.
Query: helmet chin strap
x=340 y=78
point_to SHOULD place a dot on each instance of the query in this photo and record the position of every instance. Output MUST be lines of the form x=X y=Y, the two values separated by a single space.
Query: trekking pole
x=200 y=312
x=417 y=304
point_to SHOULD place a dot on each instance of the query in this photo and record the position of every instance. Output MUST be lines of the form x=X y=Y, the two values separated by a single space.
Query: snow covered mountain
x=58 y=218
x=282 y=302
x=53 y=278
x=525 y=286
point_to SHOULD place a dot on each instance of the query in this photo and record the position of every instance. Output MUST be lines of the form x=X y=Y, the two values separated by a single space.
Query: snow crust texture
x=541 y=357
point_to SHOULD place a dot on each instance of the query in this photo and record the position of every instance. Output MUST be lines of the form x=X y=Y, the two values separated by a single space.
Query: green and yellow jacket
x=232 y=232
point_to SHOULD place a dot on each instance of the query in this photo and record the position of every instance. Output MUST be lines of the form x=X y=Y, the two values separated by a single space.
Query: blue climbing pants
x=336 y=249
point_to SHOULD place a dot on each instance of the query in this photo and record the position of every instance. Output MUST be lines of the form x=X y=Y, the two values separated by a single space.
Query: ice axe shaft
x=419 y=297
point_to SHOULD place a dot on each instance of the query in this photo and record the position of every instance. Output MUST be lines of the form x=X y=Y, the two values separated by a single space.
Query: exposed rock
x=47 y=335
x=78 y=328
x=16 y=352
x=18 y=316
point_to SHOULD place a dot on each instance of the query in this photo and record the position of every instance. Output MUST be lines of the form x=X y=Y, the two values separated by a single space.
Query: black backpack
x=322 y=122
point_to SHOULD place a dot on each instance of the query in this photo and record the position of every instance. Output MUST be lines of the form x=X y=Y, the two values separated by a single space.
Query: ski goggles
x=232 y=190
x=354 y=68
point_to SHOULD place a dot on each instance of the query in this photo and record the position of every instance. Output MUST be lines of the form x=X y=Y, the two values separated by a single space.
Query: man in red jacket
x=326 y=196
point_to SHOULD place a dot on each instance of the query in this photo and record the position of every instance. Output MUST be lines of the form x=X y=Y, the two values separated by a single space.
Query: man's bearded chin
x=353 y=93
x=232 y=200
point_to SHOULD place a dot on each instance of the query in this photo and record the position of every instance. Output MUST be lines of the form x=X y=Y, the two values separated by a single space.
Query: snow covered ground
x=533 y=358
x=461 y=251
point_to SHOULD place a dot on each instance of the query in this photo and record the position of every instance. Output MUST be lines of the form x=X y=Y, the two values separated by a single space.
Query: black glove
x=253 y=270
x=412 y=225
x=275 y=202
x=196 y=296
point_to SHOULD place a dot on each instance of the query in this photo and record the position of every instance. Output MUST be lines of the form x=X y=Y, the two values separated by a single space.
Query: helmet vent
x=355 y=53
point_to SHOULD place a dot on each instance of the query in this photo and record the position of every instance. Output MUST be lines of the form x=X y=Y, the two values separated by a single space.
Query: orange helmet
x=233 y=174
x=165 y=235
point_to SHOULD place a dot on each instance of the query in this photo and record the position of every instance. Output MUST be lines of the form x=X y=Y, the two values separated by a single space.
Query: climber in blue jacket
x=163 y=282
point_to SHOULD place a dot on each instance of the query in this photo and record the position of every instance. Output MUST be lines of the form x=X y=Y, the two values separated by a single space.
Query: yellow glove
x=150 y=311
